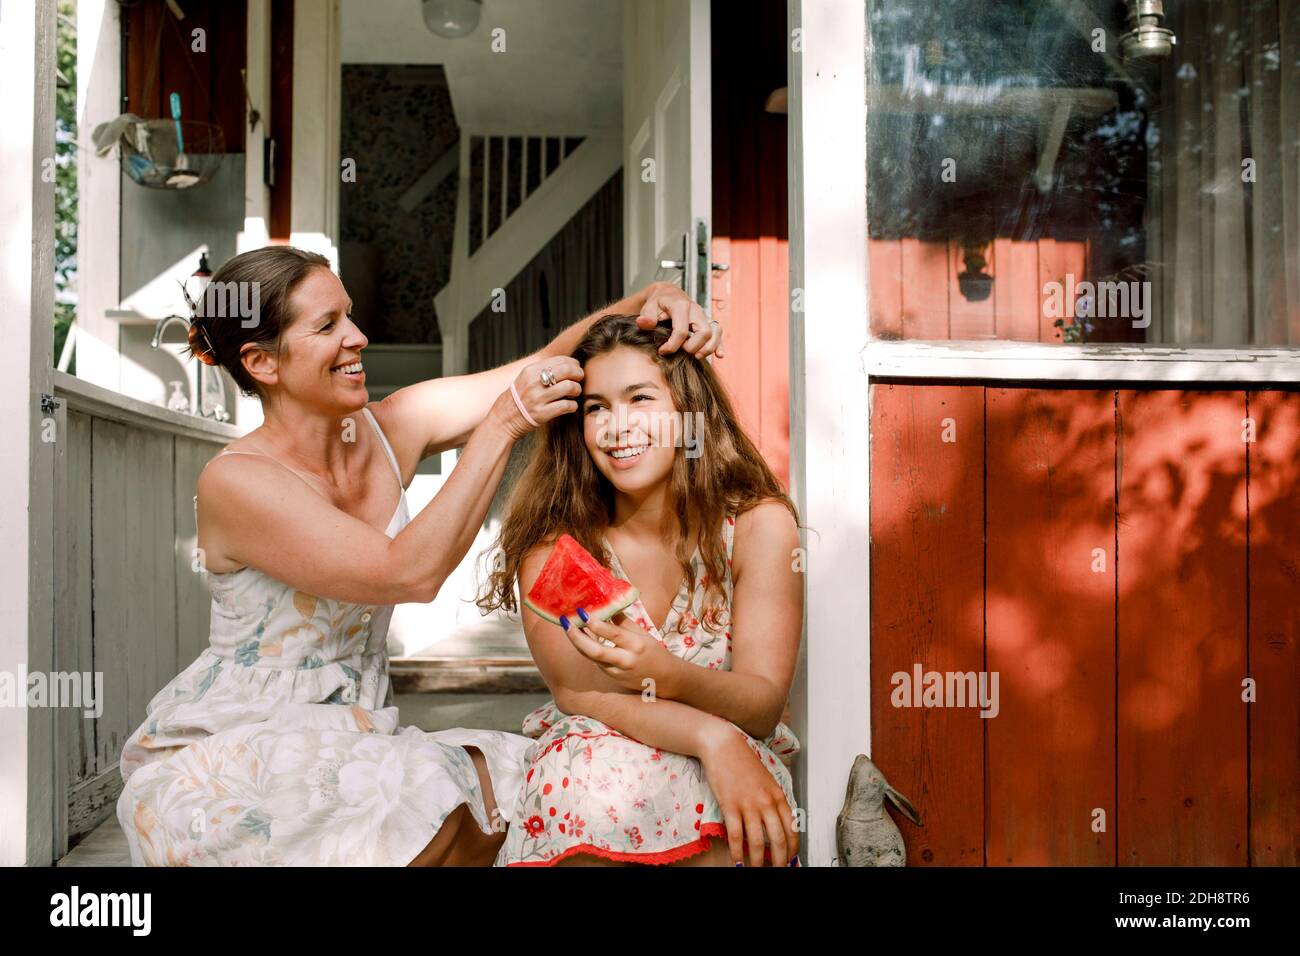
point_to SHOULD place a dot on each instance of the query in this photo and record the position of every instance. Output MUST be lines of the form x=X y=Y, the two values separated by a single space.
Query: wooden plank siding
x=128 y=604
x=927 y=606
x=1273 y=649
x=1182 y=628
x=1124 y=560
x=1050 y=460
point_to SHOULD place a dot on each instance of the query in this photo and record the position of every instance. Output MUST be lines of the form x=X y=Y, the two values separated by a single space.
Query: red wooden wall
x=1120 y=678
x=750 y=223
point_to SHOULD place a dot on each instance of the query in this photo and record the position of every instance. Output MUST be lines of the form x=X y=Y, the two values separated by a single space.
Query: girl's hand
x=753 y=804
x=635 y=657
x=543 y=403
x=693 y=331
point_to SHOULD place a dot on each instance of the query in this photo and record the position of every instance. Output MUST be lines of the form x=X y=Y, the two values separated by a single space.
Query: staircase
x=515 y=194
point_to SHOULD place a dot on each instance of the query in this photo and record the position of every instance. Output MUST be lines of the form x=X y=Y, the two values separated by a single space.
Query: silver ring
x=548 y=378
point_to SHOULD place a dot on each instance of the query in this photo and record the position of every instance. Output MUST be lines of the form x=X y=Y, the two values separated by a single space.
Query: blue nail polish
x=564 y=622
x=582 y=614
x=740 y=864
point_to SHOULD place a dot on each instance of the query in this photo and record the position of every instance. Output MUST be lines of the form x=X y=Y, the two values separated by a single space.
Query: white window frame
x=833 y=362
x=1129 y=363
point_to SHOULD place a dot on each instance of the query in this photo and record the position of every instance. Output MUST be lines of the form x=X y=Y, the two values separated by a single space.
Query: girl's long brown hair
x=562 y=491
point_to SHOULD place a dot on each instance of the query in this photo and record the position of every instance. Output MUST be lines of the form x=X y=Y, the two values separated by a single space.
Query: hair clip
x=212 y=350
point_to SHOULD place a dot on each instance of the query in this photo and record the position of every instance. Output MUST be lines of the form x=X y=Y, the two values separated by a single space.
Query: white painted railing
x=127 y=601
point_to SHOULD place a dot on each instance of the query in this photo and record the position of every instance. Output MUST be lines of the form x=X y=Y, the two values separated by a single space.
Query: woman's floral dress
x=279 y=744
x=590 y=789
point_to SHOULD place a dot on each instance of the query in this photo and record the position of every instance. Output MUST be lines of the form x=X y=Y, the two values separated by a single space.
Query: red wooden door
x=750 y=217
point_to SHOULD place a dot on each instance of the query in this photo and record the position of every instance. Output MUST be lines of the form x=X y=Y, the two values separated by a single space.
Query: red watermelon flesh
x=572 y=578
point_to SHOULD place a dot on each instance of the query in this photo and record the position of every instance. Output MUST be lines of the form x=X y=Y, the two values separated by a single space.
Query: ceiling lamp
x=452 y=18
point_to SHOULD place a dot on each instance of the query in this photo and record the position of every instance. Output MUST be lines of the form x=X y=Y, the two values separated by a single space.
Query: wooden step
x=466 y=675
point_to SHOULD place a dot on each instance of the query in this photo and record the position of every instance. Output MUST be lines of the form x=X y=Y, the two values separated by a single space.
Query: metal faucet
x=218 y=411
x=162 y=326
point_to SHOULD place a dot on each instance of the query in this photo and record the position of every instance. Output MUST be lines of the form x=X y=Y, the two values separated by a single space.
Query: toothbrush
x=181 y=161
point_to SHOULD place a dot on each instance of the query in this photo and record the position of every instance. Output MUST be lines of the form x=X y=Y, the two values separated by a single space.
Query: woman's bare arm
x=256 y=513
x=435 y=415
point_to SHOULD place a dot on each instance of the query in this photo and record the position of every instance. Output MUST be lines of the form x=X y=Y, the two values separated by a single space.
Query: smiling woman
x=246 y=305
x=280 y=743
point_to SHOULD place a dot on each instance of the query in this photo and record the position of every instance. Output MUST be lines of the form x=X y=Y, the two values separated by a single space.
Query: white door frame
x=832 y=362
x=829 y=424
x=27 y=758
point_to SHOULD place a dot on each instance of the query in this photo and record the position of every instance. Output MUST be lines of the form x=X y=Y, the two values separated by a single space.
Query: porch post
x=829 y=415
x=99 y=193
x=257 y=197
x=27 y=793
x=317 y=115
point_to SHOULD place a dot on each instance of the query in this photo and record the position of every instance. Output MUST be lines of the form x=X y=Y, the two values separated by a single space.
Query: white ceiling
x=562 y=70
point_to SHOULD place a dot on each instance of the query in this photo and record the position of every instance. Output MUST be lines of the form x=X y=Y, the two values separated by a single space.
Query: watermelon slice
x=572 y=578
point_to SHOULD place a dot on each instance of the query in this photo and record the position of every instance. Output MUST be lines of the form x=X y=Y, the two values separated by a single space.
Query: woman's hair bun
x=199 y=346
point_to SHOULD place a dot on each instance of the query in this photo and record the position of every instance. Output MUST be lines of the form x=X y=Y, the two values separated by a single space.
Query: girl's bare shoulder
x=766 y=528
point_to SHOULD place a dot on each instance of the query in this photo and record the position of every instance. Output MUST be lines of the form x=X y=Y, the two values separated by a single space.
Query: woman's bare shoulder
x=239 y=470
x=402 y=435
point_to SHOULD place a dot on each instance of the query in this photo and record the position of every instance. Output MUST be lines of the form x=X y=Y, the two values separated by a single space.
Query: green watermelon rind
x=601 y=613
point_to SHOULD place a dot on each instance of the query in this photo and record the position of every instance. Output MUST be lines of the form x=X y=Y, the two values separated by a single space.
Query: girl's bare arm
x=766 y=623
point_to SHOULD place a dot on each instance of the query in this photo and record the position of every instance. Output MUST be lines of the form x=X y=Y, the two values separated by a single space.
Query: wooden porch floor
x=106 y=846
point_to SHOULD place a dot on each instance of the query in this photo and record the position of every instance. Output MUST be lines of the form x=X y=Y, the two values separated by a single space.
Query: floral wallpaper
x=397 y=123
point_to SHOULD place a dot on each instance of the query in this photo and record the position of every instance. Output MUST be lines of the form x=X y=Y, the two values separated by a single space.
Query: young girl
x=665 y=729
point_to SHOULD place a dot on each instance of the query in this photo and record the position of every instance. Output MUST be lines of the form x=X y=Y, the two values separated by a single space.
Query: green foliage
x=65 y=175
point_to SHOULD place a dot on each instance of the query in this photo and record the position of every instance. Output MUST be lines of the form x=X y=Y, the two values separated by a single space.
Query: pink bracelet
x=520 y=405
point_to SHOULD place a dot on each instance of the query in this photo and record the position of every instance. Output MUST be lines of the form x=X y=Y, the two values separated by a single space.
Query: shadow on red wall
x=1123 y=561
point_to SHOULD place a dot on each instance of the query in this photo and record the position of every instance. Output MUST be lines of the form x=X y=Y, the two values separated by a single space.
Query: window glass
x=1084 y=170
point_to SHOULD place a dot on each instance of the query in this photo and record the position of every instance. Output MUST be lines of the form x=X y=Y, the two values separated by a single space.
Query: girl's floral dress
x=590 y=789
x=279 y=744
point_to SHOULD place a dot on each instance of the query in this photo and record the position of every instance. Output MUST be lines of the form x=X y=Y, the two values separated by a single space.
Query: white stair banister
x=502 y=253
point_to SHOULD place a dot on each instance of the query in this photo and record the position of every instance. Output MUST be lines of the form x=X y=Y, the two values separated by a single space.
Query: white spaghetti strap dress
x=280 y=744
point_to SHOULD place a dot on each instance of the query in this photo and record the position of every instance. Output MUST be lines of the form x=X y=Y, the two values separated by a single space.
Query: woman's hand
x=540 y=401
x=635 y=657
x=693 y=331
x=753 y=804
